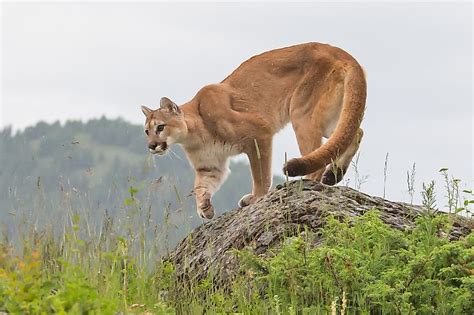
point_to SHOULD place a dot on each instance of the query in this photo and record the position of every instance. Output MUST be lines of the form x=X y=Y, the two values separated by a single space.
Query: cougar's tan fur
x=319 y=88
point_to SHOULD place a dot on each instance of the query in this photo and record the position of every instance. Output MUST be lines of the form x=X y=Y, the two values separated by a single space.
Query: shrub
x=367 y=266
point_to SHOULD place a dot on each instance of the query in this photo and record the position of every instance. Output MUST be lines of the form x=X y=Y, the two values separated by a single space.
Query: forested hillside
x=101 y=167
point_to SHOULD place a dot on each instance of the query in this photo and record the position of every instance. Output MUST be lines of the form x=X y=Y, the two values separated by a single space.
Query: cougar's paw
x=294 y=167
x=206 y=210
x=246 y=200
x=332 y=176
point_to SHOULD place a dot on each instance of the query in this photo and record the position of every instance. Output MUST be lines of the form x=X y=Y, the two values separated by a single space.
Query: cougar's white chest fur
x=213 y=157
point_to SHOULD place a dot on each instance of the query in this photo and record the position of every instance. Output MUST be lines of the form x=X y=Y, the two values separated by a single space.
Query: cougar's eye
x=160 y=128
x=146 y=131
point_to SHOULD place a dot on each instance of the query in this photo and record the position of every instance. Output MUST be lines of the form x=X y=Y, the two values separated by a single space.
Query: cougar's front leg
x=260 y=158
x=208 y=180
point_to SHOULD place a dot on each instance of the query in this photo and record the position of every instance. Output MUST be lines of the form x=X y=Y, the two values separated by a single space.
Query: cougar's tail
x=355 y=93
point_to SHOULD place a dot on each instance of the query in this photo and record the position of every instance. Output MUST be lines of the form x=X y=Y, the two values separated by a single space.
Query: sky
x=83 y=60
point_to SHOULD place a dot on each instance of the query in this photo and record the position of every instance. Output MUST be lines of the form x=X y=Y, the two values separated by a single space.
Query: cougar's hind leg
x=309 y=138
x=335 y=171
x=316 y=176
x=308 y=105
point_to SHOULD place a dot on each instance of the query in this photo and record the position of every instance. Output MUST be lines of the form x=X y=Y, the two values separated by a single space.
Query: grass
x=365 y=267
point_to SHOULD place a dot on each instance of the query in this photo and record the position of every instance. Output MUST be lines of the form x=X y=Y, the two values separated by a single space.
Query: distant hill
x=92 y=169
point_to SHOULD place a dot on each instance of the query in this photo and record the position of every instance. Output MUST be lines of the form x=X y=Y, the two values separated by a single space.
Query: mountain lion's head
x=163 y=126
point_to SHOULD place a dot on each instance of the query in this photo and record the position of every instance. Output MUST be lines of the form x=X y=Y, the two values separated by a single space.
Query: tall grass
x=74 y=266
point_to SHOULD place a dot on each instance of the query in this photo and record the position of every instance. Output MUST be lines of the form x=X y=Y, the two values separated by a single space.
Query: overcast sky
x=80 y=61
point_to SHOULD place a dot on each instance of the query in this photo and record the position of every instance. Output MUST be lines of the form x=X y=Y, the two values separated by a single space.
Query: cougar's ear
x=146 y=111
x=167 y=104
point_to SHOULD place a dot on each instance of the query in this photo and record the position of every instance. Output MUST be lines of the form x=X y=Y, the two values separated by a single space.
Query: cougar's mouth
x=160 y=149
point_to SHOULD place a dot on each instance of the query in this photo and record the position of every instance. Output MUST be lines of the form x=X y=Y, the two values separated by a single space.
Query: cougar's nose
x=152 y=146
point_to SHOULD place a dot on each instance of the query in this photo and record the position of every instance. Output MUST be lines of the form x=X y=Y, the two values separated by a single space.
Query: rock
x=288 y=210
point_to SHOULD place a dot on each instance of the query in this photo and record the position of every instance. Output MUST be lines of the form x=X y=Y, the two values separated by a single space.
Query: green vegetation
x=365 y=267
x=84 y=230
x=370 y=268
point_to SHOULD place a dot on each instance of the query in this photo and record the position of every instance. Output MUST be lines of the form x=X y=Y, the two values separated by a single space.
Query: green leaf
x=129 y=202
x=459 y=210
x=75 y=219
